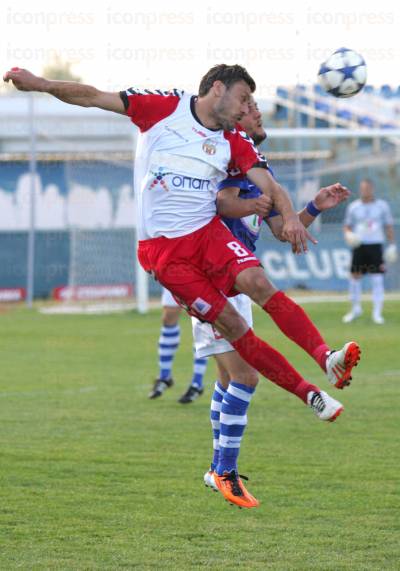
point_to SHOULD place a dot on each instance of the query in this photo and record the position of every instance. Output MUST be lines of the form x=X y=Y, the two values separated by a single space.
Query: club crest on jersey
x=209 y=148
x=159 y=179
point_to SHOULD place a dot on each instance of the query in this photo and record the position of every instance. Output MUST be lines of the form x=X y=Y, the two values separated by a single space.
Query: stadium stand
x=85 y=172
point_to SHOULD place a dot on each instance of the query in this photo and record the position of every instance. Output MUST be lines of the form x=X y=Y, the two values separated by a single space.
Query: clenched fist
x=24 y=80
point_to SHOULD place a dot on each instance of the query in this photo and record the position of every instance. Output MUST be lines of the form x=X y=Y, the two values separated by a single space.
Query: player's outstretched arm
x=293 y=230
x=325 y=199
x=230 y=205
x=67 y=91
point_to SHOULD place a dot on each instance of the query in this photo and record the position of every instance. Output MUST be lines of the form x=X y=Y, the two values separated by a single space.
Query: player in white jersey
x=168 y=344
x=187 y=144
x=368 y=222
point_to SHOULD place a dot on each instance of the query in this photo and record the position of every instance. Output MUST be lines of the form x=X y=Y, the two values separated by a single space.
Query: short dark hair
x=228 y=75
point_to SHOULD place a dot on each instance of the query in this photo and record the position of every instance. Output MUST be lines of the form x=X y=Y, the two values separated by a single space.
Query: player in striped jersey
x=239 y=200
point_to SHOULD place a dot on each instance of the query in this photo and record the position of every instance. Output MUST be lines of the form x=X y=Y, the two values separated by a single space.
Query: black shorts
x=368 y=259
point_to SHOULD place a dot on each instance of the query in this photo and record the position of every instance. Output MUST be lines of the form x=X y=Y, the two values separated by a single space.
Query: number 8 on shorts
x=238 y=249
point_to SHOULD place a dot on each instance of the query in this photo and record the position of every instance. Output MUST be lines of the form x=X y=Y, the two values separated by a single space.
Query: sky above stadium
x=114 y=45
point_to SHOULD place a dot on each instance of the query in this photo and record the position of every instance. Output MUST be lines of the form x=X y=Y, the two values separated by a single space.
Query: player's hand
x=351 y=239
x=391 y=254
x=262 y=205
x=294 y=232
x=24 y=80
x=331 y=196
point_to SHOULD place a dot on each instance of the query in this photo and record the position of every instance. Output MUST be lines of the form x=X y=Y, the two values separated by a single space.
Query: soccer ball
x=343 y=74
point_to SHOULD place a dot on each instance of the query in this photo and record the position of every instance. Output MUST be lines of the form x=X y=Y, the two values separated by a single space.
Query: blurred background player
x=367 y=220
x=168 y=344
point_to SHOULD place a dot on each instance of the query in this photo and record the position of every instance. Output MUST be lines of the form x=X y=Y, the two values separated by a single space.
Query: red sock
x=293 y=321
x=272 y=365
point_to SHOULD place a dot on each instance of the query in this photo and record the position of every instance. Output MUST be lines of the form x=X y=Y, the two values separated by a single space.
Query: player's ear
x=219 y=88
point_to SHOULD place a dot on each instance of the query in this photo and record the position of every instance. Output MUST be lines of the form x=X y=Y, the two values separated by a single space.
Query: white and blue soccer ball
x=343 y=74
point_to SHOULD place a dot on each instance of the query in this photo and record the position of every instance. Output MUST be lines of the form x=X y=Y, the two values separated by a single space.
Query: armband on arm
x=312 y=209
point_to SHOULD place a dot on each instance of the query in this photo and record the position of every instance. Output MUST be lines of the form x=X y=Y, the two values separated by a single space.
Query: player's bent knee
x=256 y=285
x=262 y=290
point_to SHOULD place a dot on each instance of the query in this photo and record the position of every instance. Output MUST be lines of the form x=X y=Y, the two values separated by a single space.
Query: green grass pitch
x=96 y=476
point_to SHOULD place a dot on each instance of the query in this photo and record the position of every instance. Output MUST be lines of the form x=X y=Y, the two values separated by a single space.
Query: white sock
x=378 y=292
x=355 y=290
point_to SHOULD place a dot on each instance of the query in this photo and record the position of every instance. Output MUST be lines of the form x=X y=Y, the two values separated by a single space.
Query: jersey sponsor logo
x=201 y=306
x=209 y=148
x=179 y=181
x=159 y=179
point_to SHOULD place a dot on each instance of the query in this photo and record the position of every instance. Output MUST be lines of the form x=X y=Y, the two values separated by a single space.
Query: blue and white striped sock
x=216 y=404
x=168 y=343
x=199 y=369
x=233 y=421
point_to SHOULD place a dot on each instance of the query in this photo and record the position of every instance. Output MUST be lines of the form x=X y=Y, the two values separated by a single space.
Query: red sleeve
x=244 y=154
x=146 y=108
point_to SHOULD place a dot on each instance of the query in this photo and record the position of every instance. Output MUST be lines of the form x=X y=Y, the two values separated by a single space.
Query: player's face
x=252 y=123
x=366 y=191
x=232 y=105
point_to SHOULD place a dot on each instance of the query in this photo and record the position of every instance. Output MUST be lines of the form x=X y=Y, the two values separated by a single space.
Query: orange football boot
x=232 y=488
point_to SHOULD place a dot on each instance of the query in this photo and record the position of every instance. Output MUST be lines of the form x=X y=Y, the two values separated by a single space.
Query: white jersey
x=179 y=162
x=368 y=220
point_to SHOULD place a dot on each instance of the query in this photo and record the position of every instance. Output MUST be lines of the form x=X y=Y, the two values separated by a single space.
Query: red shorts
x=199 y=269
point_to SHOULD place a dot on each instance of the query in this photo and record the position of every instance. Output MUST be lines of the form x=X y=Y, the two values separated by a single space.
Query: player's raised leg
x=260 y=355
x=297 y=326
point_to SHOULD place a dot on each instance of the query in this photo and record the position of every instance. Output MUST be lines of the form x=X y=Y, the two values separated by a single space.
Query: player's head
x=252 y=123
x=366 y=190
x=228 y=87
